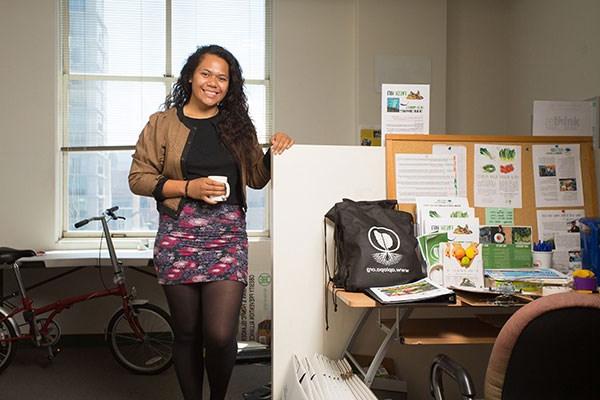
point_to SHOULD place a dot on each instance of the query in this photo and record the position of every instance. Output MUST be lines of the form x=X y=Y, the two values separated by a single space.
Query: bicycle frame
x=30 y=312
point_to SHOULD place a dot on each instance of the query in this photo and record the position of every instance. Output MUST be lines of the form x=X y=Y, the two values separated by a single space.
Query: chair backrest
x=549 y=349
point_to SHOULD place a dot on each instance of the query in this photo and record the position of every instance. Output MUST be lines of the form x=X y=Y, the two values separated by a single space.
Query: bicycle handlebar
x=81 y=223
x=110 y=212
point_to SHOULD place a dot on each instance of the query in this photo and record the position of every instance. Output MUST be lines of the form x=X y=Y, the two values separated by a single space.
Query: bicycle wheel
x=8 y=347
x=150 y=354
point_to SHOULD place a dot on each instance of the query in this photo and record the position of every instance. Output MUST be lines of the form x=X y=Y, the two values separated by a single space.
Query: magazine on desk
x=423 y=290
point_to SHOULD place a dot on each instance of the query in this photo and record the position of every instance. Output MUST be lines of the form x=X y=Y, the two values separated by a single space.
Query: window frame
x=168 y=79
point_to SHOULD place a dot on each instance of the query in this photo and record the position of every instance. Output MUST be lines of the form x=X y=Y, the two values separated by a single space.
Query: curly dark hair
x=235 y=126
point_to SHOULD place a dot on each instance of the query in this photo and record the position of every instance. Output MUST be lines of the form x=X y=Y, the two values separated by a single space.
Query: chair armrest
x=444 y=364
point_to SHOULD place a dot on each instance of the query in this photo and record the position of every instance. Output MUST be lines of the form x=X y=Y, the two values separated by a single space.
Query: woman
x=201 y=248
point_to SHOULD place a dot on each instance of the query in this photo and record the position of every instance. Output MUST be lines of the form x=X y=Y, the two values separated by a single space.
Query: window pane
x=237 y=25
x=97 y=181
x=255 y=216
x=117 y=37
x=257 y=106
x=110 y=113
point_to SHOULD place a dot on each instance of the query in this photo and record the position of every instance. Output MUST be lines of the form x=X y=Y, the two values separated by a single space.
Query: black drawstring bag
x=374 y=245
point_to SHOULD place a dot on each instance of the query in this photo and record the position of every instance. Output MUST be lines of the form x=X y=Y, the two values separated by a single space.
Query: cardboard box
x=257 y=307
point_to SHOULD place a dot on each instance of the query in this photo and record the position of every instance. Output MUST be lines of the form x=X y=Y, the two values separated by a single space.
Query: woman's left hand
x=280 y=142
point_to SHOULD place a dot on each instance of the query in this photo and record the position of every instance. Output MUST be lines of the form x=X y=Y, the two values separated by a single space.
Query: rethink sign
x=562 y=118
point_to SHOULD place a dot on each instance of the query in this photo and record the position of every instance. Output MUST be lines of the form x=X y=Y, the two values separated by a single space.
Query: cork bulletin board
x=526 y=215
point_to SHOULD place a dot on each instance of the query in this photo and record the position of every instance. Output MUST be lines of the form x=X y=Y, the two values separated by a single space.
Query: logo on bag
x=387 y=242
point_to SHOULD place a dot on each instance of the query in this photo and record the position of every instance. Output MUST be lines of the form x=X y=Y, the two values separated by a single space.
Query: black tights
x=205 y=317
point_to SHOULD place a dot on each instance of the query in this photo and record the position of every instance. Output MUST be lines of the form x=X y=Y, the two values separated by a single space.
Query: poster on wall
x=497 y=176
x=557 y=175
x=370 y=137
x=404 y=109
x=562 y=118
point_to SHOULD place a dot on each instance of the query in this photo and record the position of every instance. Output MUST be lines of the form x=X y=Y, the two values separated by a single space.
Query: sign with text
x=404 y=109
x=562 y=118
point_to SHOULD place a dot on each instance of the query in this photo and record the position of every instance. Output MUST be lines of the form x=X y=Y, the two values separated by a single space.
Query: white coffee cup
x=222 y=179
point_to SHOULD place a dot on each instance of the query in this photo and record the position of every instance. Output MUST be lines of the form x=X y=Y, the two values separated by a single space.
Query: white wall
x=303 y=192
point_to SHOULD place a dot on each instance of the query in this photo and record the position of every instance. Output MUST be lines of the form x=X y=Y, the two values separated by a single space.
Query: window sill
x=87 y=243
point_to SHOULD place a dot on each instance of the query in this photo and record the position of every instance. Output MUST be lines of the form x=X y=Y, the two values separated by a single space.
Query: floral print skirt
x=205 y=243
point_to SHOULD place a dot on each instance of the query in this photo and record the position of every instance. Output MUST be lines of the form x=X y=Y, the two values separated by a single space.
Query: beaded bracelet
x=186 y=188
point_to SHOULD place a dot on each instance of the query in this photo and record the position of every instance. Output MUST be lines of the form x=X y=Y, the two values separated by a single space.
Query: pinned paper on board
x=460 y=152
x=425 y=175
x=557 y=175
x=497 y=176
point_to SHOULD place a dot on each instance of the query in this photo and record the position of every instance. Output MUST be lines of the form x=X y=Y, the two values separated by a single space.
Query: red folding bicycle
x=139 y=334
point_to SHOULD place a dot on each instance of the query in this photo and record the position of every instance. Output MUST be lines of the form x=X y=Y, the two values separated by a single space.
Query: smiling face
x=210 y=82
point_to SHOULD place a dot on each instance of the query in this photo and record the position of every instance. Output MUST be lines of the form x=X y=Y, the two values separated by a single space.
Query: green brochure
x=505 y=246
x=429 y=245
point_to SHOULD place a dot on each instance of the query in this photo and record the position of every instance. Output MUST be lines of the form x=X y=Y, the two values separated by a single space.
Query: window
x=120 y=59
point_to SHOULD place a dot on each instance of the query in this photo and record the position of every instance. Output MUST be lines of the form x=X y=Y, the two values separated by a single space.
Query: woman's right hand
x=204 y=188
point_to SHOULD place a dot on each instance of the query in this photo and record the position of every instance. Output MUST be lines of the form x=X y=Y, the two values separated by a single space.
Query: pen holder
x=542 y=259
x=587 y=284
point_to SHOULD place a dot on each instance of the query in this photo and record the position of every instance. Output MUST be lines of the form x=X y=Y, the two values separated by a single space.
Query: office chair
x=549 y=349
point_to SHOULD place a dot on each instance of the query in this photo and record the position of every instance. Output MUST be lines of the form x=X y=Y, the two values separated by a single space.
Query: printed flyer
x=404 y=109
x=425 y=175
x=460 y=153
x=560 y=227
x=497 y=176
x=557 y=175
x=506 y=246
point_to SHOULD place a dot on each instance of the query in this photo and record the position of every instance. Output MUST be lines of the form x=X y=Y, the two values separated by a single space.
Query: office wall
x=405 y=28
x=314 y=70
x=503 y=55
x=477 y=90
x=553 y=53
x=28 y=118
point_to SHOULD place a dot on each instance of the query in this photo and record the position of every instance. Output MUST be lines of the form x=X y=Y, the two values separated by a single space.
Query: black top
x=207 y=155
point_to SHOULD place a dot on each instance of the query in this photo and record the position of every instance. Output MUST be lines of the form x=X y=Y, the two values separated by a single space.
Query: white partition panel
x=307 y=182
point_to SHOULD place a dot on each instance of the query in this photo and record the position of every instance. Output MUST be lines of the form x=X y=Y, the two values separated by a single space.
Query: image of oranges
x=464 y=256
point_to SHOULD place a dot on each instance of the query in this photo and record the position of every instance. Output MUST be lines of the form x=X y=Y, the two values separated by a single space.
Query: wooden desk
x=479 y=329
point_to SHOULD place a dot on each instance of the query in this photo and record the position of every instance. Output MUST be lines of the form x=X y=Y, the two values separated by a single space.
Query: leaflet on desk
x=422 y=290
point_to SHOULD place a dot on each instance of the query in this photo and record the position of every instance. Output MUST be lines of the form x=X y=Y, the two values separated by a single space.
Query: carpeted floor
x=90 y=373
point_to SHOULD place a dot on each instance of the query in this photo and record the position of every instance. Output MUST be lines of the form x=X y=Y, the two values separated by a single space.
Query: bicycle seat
x=9 y=255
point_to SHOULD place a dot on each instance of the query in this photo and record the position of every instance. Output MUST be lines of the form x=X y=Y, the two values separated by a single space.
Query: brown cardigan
x=158 y=154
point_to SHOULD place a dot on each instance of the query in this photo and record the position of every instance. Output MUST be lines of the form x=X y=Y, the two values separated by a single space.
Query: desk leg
x=355 y=332
x=401 y=315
